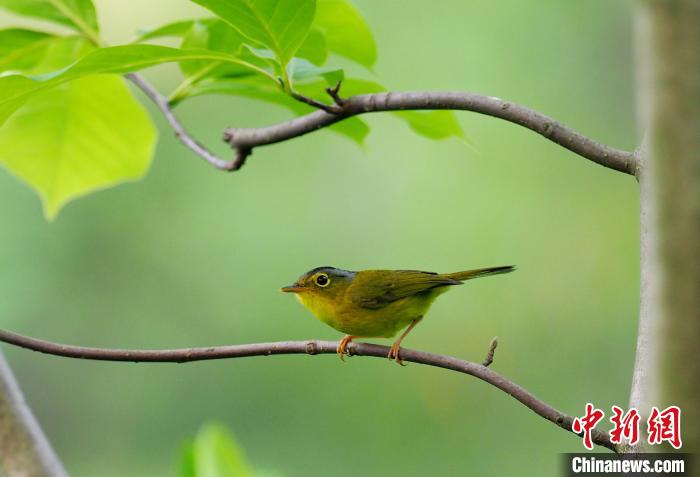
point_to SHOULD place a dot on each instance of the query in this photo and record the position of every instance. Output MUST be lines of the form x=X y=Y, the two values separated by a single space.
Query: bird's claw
x=342 y=347
x=395 y=354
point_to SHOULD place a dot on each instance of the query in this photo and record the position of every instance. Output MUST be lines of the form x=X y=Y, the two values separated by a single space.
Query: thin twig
x=312 y=347
x=555 y=131
x=329 y=108
x=334 y=93
x=492 y=350
x=180 y=132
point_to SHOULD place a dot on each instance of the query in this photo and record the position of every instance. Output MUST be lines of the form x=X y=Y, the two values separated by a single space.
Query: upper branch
x=307 y=347
x=244 y=139
x=180 y=132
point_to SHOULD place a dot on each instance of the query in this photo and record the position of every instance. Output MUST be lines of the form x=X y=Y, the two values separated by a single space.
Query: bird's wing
x=375 y=289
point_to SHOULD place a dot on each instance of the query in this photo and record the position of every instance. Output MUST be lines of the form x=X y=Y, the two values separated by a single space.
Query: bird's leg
x=396 y=347
x=343 y=344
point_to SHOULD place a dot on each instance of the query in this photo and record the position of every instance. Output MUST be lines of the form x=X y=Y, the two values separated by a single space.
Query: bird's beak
x=292 y=289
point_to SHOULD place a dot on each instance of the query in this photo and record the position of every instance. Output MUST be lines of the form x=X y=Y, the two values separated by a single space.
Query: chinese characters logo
x=662 y=426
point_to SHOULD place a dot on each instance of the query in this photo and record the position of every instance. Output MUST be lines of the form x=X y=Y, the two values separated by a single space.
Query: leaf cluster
x=69 y=125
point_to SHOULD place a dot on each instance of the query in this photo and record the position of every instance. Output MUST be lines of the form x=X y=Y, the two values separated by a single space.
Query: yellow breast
x=322 y=307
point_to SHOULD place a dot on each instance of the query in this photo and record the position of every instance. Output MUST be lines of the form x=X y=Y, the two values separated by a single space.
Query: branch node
x=178 y=129
x=242 y=154
x=492 y=350
x=329 y=108
x=333 y=93
x=547 y=129
x=311 y=348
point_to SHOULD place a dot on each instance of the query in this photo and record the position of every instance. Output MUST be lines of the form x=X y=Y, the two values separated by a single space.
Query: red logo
x=662 y=426
x=626 y=425
x=587 y=423
x=665 y=426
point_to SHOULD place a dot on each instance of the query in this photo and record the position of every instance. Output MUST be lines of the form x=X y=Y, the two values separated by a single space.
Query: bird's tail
x=479 y=272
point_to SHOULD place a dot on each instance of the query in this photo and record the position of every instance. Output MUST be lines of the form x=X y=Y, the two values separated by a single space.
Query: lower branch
x=24 y=450
x=312 y=347
x=247 y=139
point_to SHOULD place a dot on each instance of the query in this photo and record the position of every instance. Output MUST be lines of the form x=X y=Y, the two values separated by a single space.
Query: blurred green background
x=194 y=257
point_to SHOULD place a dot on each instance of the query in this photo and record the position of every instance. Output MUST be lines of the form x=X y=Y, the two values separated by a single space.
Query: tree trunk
x=667 y=369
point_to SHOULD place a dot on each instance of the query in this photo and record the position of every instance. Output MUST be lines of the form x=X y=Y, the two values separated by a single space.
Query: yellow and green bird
x=376 y=303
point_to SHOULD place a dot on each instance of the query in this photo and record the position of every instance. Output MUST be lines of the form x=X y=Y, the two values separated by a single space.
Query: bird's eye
x=322 y=280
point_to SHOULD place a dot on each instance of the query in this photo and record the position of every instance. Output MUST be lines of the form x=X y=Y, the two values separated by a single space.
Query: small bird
x=376 y=303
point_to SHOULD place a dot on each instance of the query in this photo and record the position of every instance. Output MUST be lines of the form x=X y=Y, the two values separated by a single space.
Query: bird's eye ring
x=322 y=280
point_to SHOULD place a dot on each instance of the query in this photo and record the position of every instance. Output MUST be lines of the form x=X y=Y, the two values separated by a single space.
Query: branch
x=180 y=132
x=330 y=109
x=24 y=450
x=623 y=161
x=492 y=351
x=185 y=355
x=244 y=140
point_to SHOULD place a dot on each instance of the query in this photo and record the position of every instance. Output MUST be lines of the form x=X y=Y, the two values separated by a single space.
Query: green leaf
x=176 y=29
x=127 y=58
x=279 y=25
x=16 y=89
x=433 y=124
x=33 y=52
x=187 y=461
x=300 y=70
x=346 y=31
x=314 y=48
x=60 y=52
x=213 y=35
x=77 y=14
x=350 y=87
x=76 y=138
x=215 y=453
x=354 y=128
x=13 y=40
x=263 y=54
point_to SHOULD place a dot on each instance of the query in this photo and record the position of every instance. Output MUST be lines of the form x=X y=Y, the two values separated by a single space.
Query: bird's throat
x=322 y=307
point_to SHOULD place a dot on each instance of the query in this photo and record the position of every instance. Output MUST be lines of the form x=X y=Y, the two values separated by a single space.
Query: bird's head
x=321 y=287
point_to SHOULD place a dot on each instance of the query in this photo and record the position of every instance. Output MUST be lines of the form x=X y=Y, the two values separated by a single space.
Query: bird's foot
x=343 y=345
x=395 y=353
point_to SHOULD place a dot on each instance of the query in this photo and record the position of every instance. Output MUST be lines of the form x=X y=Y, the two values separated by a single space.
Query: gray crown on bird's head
x=331 y=271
